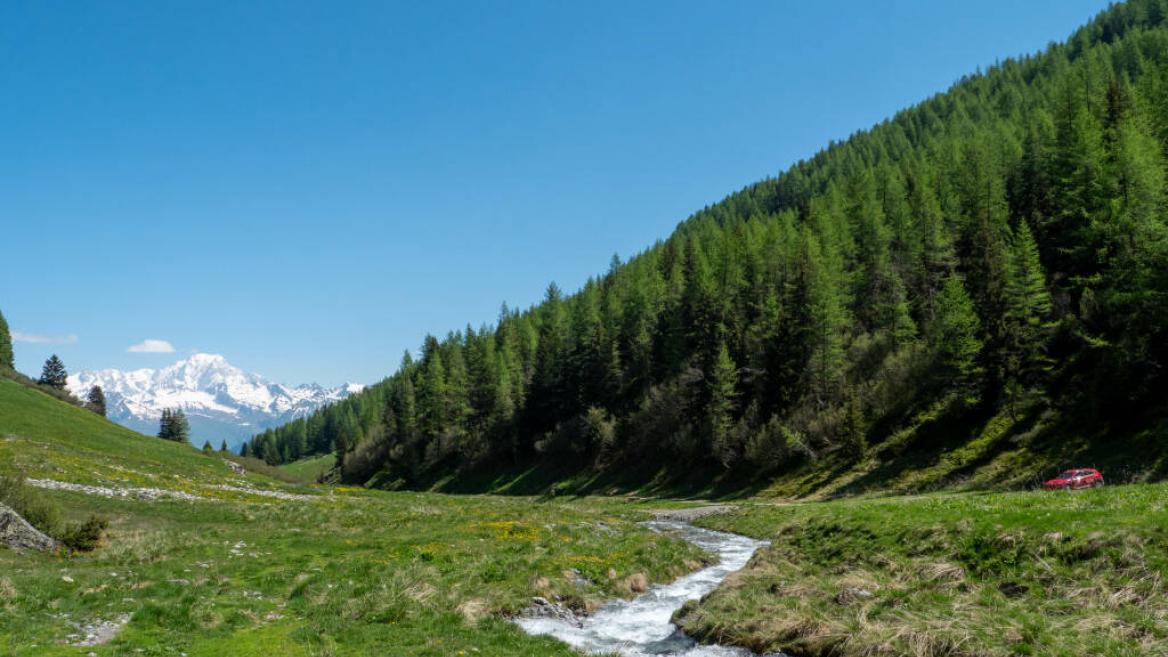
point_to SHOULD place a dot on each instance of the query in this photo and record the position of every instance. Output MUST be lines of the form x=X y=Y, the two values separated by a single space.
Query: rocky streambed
x=642 y=627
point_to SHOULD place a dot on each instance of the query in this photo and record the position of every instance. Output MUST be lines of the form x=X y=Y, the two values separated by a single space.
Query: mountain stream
x=641 y=627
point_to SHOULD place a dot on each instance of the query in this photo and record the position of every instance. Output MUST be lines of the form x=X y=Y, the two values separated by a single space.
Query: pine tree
x=245 y=449
x=821 y=317
x=723 y=382
x=406 y=411
x=54 y=375
x=223 y=447
x=182 y=429
x=548 y=389
x=173 y=425
x=6 y=356
x=270 y=454
x=166 y=424
x=95 y=400
x=855 y=429
x=431 y=393
x=1079 y=185
x=207 y=449
x=1028 y=308
x=953 y=336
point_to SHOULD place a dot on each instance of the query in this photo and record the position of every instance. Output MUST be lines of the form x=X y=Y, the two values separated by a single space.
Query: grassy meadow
x=968 y=574
x=352 y=574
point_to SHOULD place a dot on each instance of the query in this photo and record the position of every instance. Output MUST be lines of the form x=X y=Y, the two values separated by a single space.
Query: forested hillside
x=985 y=271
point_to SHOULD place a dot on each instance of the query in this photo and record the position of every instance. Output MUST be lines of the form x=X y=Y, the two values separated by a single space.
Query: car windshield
x=1069 y=474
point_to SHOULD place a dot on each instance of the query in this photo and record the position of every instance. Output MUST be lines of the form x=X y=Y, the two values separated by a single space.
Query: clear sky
x=308 y=188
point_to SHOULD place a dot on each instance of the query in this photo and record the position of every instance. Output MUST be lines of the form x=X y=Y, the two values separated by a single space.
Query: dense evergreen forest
x=997 y=249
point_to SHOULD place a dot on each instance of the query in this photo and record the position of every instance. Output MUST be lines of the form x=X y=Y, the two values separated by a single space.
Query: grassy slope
x=310 y=468
x=46 y=438
x=1038 y=573
x=351 y=573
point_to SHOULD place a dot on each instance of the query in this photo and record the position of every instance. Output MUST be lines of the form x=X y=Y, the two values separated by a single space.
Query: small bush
x=86 y=536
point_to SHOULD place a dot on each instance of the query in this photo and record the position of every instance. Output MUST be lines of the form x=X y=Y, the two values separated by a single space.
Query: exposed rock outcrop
x=15 y=532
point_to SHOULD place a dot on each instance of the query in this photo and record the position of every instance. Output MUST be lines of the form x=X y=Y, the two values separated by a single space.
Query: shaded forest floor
x=946 y=447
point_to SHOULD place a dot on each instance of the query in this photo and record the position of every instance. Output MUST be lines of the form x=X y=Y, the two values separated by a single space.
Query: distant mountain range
x=221 y=401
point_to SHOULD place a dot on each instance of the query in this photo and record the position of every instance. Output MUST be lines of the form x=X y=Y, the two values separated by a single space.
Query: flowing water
x=641 y=627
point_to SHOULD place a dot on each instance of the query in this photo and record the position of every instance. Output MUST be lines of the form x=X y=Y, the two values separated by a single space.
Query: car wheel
x=1067 y=487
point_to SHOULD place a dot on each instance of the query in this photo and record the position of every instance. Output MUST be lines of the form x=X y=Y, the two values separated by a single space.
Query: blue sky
x=308 y=188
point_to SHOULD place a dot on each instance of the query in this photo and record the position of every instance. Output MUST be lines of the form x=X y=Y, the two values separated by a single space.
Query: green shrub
x=86 y=536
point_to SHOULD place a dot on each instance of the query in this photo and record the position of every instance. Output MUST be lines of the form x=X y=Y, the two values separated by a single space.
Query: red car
x=1077 y=478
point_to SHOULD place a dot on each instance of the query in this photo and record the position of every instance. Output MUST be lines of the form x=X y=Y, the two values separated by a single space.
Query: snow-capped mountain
x=221 y=401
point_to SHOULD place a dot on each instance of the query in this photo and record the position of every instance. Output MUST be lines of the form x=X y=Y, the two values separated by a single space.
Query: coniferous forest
x=996 y=255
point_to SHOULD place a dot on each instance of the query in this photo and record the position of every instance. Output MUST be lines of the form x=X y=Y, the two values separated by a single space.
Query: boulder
x=15 y=532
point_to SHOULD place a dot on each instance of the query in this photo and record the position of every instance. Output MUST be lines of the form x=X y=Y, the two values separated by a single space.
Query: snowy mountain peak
x=221 y=400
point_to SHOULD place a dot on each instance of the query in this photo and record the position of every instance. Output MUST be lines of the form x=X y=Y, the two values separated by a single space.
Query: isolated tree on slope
x=54 y=374
x=6 y=357
x=95 y=400
x=174 y=426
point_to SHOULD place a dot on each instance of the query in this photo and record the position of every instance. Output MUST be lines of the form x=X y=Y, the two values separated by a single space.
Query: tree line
x=1003 y=244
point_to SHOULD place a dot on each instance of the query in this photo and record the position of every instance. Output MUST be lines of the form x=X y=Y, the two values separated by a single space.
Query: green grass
x=350 y=572
x=356 y=573
x=311 y=468
x=48 y=439
x=1026 y=573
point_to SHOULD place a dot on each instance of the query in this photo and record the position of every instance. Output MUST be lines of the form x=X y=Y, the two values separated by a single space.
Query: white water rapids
x=641 y=627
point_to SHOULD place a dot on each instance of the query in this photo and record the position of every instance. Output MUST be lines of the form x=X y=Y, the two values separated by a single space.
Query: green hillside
x=971 y=293
x=47 y=439
x=309 y=469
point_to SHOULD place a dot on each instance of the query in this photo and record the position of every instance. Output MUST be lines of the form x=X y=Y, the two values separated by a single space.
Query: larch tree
x=1028 y=309
x=723 y=393
x=954 y=336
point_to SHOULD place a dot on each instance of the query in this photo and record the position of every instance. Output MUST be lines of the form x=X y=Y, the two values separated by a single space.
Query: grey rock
x=851 y=594
x=99 y=632
x=543 y=608
x=15 y=532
